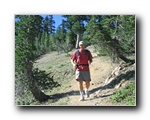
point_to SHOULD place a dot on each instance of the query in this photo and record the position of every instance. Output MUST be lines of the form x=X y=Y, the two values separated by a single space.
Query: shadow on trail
x=115 y=81
x=111 y=85
x=103 y=96
x=58 y=96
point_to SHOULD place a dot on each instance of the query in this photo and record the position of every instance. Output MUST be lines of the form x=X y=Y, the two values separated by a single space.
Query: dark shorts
x=83 y=75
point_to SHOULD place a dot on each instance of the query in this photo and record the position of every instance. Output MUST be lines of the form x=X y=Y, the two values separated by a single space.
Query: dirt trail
x=69 y=95
x=99 y=94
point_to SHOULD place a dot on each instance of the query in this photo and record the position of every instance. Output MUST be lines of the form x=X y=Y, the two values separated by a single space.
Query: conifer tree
x=76 y=24
x=49 y=24
x=27 y=27
x=114 y=35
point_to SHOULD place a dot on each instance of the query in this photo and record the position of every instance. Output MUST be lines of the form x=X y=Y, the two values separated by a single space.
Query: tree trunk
x=78 y=40
x=125 y=59
x=115 y=49
x=37 y=93
x=68 y=44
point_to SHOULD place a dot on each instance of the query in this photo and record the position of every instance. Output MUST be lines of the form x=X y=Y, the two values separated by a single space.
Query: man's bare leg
x=81 y=90
x=87 y=85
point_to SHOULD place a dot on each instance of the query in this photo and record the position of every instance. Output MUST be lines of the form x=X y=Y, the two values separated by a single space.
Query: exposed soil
x=100 y=93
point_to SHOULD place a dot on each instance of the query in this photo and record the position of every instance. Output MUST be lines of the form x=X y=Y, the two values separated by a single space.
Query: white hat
x=81 y=43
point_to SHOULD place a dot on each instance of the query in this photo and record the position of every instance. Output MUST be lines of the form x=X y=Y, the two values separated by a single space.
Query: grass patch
x=49 y=67
x=61 y=65
x=131 y=57
x=64 y=101
x=126 y=95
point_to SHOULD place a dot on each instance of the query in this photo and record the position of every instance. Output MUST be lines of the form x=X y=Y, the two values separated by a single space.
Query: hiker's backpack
x=86 y=53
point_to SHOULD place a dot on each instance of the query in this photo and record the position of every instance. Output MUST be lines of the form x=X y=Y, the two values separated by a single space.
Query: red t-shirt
x=82 y=59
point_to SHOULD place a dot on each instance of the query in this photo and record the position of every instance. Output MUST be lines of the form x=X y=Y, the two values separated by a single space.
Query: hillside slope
x=68 y=93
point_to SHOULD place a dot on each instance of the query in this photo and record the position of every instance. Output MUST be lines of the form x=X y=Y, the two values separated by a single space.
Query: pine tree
x=51 y=25
x=27 y=27
x=70 y=35
x=76 y=24
x=60 y=37
x=112 y=34
x=48 y=30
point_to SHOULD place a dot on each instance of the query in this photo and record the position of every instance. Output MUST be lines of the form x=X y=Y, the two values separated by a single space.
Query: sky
x=57 y=18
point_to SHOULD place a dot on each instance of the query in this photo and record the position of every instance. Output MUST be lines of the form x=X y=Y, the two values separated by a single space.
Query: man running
x=81 y=59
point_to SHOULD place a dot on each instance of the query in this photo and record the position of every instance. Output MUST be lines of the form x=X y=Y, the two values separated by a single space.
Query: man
x=81 y=60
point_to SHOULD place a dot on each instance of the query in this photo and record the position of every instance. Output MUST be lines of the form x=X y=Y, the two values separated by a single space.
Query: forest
x=110 y=35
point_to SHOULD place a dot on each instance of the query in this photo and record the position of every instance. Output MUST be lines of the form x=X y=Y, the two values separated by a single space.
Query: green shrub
x=44 y=80
x=126 y=95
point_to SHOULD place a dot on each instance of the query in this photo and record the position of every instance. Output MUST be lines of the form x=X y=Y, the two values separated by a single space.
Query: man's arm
x=73 y=58
x=74 y=65
x=89 y=62
x=90 y=58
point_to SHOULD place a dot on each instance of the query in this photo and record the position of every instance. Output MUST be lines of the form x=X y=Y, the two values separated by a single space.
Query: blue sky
x=57 y=18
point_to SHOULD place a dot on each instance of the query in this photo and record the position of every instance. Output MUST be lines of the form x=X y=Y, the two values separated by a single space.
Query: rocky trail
x=101 y=88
